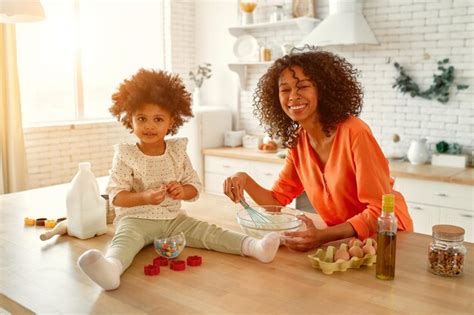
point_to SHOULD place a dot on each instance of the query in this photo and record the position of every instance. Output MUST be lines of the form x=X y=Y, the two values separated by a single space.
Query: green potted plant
x=449 y=155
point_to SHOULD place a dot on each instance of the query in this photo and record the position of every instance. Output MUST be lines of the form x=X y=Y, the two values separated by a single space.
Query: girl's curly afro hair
x=339 y=93
x=152 y=87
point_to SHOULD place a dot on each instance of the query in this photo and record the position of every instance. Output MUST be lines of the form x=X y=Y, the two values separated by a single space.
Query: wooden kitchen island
x=43 y=276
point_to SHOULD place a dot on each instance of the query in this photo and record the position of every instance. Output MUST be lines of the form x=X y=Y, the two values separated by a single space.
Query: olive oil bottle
x=386 y=239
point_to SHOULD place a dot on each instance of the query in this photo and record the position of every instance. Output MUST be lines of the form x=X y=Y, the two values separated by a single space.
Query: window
x=71 y=63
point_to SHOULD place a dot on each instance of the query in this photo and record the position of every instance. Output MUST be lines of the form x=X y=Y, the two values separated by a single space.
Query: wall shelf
x=305 y=24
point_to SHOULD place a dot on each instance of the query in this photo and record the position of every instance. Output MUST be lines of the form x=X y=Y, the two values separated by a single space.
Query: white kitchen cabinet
x=433 y=202
x=423 y=216
x=217 y=169
x=462 y=218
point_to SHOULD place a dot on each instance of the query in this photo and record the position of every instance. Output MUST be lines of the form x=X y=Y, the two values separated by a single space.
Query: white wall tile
x=415 y=33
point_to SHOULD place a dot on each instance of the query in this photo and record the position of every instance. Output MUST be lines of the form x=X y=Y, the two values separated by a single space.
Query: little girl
x=149 y=179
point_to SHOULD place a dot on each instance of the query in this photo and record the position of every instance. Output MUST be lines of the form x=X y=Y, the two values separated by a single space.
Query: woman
x=311 y=100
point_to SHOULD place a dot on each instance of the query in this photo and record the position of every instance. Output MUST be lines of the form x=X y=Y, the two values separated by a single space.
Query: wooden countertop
x=398 y=168
x=43 y=276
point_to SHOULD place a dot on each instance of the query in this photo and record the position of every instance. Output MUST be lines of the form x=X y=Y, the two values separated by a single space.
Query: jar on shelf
x=446 y=251
x=278 y=14
x=247 y=7
x=265 y=53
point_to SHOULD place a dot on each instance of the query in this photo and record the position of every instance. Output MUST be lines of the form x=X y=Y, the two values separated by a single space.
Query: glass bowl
x=282 y=219
x=170 y=247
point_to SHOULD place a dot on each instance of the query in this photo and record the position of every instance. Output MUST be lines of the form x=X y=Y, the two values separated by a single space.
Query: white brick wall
x=53 y=152
x=415 y=33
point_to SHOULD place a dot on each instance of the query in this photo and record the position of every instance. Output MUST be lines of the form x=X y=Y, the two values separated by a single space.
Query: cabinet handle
x=226 y=166
x=441 y=195
x=418 y=208
x=466 y=215
x=267 y=174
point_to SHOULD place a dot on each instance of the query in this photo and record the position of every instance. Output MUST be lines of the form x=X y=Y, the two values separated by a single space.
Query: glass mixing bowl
x=170 y=247
x=281 y=219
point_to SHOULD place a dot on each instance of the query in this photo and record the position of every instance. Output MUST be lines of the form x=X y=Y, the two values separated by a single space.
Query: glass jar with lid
x=446 y=252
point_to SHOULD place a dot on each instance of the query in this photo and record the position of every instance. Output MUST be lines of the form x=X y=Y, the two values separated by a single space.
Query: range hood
x=345 y=25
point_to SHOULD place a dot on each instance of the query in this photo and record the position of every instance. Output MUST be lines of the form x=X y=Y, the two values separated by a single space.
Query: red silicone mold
x=152 y=270
x=178 y=265
x=160 y=261
x=194 y=261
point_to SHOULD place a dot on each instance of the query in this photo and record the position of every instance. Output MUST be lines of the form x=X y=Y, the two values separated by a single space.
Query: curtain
x=13 y=169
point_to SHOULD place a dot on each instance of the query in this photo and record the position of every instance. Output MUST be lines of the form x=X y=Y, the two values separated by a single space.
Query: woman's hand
x=234 y=186
x=303 y=241
x=154 y=196
x=175 y=190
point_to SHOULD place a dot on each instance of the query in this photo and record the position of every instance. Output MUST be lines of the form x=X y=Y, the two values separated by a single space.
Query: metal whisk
x=256 y=216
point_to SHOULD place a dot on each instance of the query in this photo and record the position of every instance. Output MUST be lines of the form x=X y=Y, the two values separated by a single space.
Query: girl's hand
x=175 y=190
x=154 y=196
x=234 y=186
x=303 y=240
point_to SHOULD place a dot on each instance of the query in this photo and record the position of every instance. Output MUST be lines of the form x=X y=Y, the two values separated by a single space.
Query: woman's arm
x=312 y=237
x=235 y=185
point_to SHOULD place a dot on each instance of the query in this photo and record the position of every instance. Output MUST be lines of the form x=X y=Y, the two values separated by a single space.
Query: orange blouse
x=350 y=186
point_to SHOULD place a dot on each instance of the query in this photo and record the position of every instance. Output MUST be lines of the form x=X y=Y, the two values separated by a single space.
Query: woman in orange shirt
x=311 y=100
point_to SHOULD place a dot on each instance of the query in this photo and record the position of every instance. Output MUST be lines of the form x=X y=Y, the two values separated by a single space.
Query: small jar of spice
x=446 y=252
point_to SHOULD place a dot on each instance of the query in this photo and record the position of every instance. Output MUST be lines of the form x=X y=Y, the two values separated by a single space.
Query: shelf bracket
x=241 y=71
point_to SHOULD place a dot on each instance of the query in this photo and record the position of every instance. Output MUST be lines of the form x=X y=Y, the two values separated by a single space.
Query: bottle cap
x=84 y=166
x=447 y=232
x=388 y=203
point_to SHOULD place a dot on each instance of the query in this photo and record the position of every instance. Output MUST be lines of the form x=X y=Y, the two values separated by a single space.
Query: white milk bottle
x=86 y=209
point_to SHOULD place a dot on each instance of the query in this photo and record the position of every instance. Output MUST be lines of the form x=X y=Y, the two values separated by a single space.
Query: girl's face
x=151 y=123
x=298 y=95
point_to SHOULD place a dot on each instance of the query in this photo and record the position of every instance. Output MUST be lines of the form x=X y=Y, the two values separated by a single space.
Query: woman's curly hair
x=339 y=93
x=152 y=87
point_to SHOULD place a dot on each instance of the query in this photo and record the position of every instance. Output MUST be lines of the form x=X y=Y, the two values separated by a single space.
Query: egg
x=368 y=249
x=355 y=242
x=342 y=253
x=371 y=241
x=356 y=251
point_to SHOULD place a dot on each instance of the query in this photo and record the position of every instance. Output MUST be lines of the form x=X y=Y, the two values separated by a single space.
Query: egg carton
x=323 y=259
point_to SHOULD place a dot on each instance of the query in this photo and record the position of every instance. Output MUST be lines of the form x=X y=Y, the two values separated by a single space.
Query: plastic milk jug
x=86 y=209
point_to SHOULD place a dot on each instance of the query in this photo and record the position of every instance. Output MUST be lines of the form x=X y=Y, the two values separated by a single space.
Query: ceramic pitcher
x=418 y=152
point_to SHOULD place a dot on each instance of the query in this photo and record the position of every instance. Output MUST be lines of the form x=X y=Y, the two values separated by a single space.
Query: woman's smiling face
x=298 y=95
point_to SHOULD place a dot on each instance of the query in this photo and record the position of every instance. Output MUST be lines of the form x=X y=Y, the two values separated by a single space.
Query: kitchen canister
x=418 y=152
x=446 y=251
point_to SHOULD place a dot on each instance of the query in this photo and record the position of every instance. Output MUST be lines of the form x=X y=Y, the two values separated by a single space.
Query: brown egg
x=355 y=242
x=356 y=251
x=368 y=249
x=371 y=241
x=342 y=253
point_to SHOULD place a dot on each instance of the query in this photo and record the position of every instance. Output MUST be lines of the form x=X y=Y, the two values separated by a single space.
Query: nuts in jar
x=446 y=252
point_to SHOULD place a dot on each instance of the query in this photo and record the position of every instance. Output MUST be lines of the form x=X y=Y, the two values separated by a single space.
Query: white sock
x=264 y=249
x=103 y=271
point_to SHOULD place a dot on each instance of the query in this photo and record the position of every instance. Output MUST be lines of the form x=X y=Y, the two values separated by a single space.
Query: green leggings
x=132 y=234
